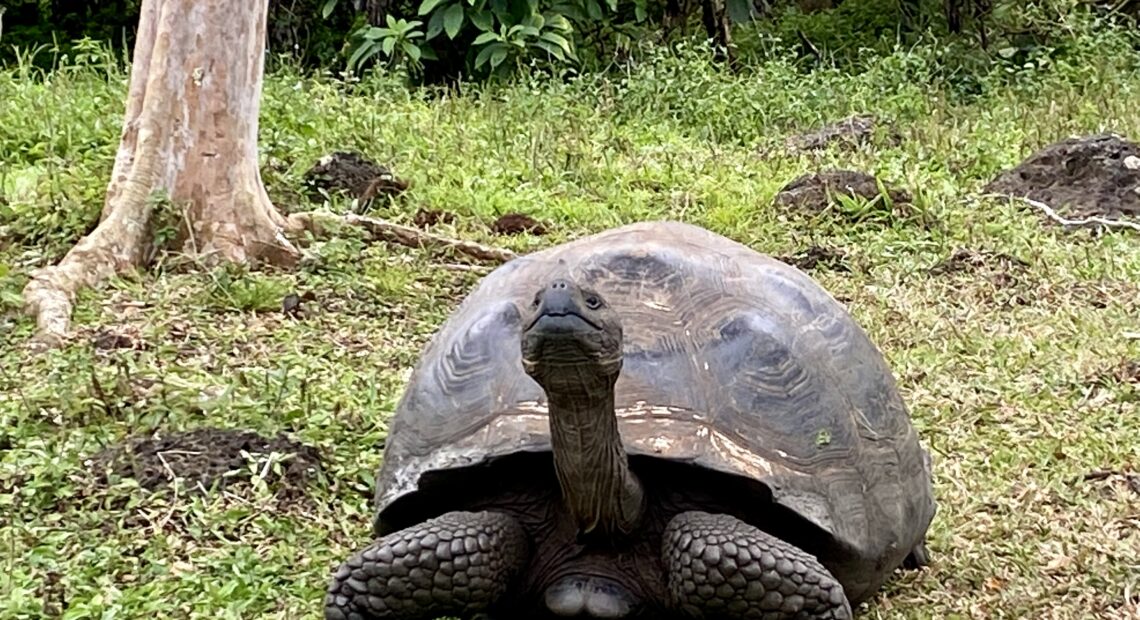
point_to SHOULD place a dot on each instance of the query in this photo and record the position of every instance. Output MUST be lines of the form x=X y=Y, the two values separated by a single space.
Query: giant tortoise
x=650 y=422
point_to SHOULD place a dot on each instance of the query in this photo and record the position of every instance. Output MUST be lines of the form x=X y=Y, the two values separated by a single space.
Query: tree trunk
x=714 y=16
x=190 y=134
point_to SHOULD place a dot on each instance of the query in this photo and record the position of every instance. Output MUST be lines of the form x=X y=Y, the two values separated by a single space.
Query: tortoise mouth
x=561 y=323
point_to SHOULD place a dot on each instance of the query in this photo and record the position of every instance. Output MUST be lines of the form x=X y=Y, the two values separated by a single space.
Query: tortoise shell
x=733 y=361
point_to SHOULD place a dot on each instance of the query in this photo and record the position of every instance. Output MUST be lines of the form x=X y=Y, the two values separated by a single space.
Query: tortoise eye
x=536 y=302
x=593 y=303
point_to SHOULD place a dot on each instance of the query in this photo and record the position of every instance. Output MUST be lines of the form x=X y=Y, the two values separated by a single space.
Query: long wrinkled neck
x=593 y=470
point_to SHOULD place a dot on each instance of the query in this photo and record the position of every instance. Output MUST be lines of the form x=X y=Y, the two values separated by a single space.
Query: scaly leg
x=720 y=567
x=457 y=564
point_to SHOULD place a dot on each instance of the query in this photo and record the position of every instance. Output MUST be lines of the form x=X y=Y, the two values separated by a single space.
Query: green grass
x=1018 y=384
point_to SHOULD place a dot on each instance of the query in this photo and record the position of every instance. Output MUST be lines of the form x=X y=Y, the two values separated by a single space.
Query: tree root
x=115 y=246
x=1051 y=213
x=400 y=234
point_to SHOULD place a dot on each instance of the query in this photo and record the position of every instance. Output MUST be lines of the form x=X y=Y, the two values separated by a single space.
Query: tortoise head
x=571 y=339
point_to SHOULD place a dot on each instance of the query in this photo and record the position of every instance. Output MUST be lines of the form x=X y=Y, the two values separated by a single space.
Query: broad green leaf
x=453 y=20
x=483 y=20
x=552 y=49
x=485 y=37
x=501 y=9
x=485 y=54
x=535 y=21
x=389 y=44
x=639 y=10
x=412 y=50
x=428 y=5
x=558 y=40
x=362 y=53
x=559 y=22
x=593 y=9
x=428 y=53
x=435 y=25
x=498 y=56
x=327 y=9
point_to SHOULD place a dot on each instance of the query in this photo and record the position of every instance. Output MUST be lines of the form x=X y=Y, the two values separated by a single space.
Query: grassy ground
x=1018 y=366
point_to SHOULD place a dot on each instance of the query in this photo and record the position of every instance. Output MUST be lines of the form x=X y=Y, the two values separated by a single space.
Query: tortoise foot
x=457 y=564
x=720 y=567
x=918 y=557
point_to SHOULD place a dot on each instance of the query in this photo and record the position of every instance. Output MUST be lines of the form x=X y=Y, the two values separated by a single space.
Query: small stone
x=1132 y=162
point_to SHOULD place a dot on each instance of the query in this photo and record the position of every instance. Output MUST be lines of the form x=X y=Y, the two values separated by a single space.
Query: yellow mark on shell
x=660 y=444
x=732 y=451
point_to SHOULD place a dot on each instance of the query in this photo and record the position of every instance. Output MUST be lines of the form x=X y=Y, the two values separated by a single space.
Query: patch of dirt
x=425 y=218
x=291 y=304
x=517 y=223
x=995 y=264
x=810 y=191
x=1124 y=372
x=1125 y=479
x=108 y=338
x=207 y=456
x=347 y=172
x=851 y=131
x=988 y=278
x=1096 y=175
x=818 y=257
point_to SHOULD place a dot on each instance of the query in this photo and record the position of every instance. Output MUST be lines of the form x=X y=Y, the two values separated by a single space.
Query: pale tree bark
x=189 y=133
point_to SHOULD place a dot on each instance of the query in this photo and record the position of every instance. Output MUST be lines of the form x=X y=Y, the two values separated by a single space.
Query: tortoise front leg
x=720 y=567
x=457 y=564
